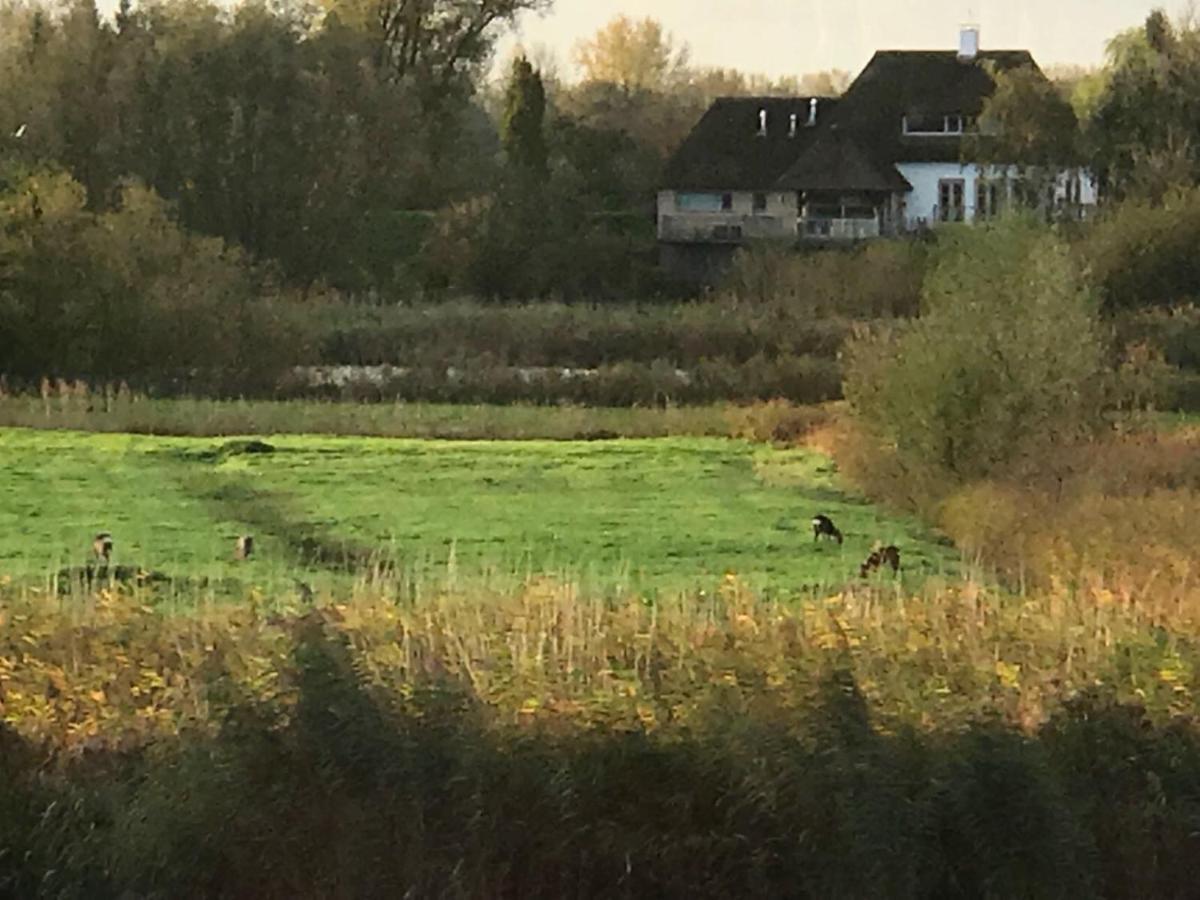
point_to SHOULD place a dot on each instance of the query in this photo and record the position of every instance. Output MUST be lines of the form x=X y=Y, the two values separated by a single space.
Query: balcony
x=820 y=228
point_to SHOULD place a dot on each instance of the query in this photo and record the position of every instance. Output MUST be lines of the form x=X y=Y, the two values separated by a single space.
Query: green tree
x=1026 y=123
x=127 y=293
x=1005 y=360
x=264 y=128
x=1143 y=138
x=522 y=128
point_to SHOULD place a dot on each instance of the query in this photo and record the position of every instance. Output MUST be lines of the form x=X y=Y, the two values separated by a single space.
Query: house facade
x=883 y=159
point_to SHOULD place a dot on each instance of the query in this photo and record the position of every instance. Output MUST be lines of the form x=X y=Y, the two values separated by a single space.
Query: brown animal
x=102 y=546
x=823 y=525
x=889 y=555
x=243 y=547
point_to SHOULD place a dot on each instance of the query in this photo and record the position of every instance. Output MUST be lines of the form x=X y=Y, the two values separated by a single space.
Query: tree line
x=337 y=142
x=324 y=141
x=183 y=165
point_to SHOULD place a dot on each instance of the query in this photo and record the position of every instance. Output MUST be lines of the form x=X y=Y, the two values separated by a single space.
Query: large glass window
x=694 y=202
x=950 y=200
x=989 y=197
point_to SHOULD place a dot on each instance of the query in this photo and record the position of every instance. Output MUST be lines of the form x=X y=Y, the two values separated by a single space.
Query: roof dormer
x=923 y=124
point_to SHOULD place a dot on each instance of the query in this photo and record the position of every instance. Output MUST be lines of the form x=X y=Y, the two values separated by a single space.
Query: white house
x=884 y=158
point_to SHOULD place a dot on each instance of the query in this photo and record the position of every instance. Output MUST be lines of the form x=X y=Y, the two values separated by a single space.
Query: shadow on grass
x=230 y=497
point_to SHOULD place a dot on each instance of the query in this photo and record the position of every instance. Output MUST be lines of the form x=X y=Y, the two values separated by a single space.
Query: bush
x=1005 y=360
x=1184 y=392
x=128 y=294
x=879 y=279
x=562 y=334
x=1140 y=254
x=776 y=421
x=1175 y=330
x=533 y=239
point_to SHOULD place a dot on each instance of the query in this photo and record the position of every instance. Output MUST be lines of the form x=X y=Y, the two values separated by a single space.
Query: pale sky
x=792 y=37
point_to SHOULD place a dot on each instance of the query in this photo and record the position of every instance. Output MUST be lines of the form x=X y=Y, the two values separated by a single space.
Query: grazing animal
x=102 y=546
x=889 y=555
x=243 y=547
x=823 y=525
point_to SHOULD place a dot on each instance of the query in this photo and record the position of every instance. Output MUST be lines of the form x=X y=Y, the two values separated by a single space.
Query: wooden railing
x=839 y=229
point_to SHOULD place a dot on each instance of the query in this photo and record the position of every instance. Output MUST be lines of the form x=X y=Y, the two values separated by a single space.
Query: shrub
x=1005 y=360
x=776 y=421
x=880 y=279
x=562 y=334
x=129 y=294
x=1175 y=330
x=1184 y=392
x=1140 y=254
x=533 y=239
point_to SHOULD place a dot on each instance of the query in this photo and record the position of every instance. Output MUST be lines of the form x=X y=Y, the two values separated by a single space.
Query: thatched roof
x=857 y=139
x=899 y=83
x=726 y=152
x=835 y=162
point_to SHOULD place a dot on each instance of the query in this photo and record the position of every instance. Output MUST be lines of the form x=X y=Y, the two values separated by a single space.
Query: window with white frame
x=951 y=206
x=989 y=199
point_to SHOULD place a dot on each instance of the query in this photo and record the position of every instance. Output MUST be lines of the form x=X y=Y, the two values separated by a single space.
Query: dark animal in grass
x=889 y=555
x=823 y=525
x=243 y=547
x=102 y=546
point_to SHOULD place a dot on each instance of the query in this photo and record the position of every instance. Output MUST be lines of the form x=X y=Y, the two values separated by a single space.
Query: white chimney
x=762 y=122
x=968 y=43
x=812 y=111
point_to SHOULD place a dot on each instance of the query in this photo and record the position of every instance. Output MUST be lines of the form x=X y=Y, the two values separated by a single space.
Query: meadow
x=671 y=514
x=611 y=667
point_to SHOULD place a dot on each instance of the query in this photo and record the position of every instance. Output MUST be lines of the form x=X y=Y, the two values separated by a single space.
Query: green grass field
x=668 y=514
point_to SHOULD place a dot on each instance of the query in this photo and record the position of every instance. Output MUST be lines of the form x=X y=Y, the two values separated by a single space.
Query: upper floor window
x=760 y=203
x=927 y=123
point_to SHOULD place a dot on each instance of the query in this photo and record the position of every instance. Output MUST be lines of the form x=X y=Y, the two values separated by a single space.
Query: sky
x=793 y=37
